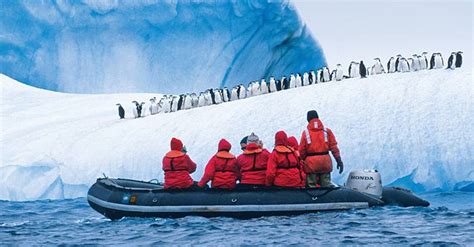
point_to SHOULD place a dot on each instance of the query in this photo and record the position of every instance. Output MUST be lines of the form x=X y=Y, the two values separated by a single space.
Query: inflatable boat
x=117 y=198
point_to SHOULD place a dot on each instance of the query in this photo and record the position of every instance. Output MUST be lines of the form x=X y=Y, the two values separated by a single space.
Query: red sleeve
x=191 y=164
x=333 y=144
x=208 y=173
x=271 y=170
x=302 y=147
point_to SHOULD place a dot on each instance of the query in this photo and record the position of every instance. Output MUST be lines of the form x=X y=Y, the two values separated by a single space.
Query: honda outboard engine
x=366 y=181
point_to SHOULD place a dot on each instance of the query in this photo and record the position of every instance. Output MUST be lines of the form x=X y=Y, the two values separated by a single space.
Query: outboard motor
x=366 y=181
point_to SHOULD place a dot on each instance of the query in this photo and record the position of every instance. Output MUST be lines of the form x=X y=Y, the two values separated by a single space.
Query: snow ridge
x=415 y=128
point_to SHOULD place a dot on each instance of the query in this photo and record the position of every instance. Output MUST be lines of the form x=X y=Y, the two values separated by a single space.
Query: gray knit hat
x=252 y=138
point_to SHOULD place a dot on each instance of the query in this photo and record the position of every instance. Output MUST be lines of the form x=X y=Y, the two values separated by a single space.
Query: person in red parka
x=316 y=142
x=283 y=168
x=177 y=166
x=221 y=168
x=293 y=143
x=252 y=164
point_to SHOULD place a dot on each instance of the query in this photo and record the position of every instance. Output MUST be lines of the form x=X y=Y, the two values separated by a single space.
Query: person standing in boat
x=221 y=169
x=178 y=166
x=283 y=168
x=252 y=163
x=316 y=142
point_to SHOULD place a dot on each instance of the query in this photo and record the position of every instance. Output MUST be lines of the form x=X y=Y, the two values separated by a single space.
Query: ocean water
x=448 y=221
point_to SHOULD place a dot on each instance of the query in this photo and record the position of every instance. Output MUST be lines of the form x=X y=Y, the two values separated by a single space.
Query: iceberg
x=152 y=46
x=415 y=128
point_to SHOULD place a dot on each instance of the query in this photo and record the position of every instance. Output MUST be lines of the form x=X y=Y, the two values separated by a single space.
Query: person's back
x=283 y=167
x=177 y=166
x=252 y=163
x=316 y=142
x=221 y=168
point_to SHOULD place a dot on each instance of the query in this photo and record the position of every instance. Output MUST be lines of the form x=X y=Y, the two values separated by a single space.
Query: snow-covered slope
x=416 y=128
x=166 y=46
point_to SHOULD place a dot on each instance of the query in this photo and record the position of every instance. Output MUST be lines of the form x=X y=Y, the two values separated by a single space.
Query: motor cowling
x=365 y=181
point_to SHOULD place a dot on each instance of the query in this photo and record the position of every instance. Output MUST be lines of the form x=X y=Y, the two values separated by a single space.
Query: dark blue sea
x=448 y=221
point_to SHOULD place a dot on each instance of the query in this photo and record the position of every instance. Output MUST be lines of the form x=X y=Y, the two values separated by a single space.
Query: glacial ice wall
x=152 y=46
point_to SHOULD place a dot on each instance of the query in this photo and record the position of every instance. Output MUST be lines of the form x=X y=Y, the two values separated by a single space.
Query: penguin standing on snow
x=362 y=70
x=278 y=85
x=305 y=79
x=339 y=72
x=141 y=111
x=201 y=100
x=312 y=77
x=377 y=68
x=242 y=92
x=285 y=84
x=452 y=61
x=226 y=94
x=234 y=95
x=298 y=81
x=436 y=61
x=458 y=59
x=135 y=109
x=411 y=64
x=121 y=111
x=424 y=61
x=272 y=87
x=416 y=63
x=391 y=65
x=354 y=69
x=403 y=65
x=263 y=87
x=292 y=81
x=194 y=100
x=397 y=62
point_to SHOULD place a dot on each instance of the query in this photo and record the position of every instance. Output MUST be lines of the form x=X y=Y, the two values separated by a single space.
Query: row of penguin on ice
x=173 y=103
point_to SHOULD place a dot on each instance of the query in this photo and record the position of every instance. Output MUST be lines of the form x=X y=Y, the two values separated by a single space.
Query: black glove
x=340 y=165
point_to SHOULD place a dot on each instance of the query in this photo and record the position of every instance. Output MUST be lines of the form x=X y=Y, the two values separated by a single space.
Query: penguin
x=255 y=88
x=312 y=77
x=416 y=63
x=141 y=111
x=436 y=61
x=452 y=61
x=325 y=75
x=339 y=72
x=174 y=103
x=225 y=95
x=377 y=68
x=153 y=106
x=188 y=103
x=263 y=87
x=362 y=70
x=217 y=96
x=213 y=96
x=121 y=111
x=285 y=83
x=424 y=61
x=278 y=85
x=234 y=95
x=201 y=100
x=292 y=81
x=194 y=100
x=354 y=70
x=159 y=106
x=458 y=63
x=298 y=81
x=180 y=102
x=332 y=77
x=305 y=79
x=397 y=61
x=242 y=92
x=135 y=109
x=391 y=65
x=403 y=65
x=411 y=63
x=272 y=87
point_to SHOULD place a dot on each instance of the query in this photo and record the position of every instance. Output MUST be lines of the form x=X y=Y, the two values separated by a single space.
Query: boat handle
x=314 y=198
x=234 y=200
x=155 y=200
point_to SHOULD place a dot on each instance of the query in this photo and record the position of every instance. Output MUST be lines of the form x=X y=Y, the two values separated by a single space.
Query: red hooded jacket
x=221 y=168
x=316 y=142
x=177 y=167
x=283 y=167
x=293 y=143
x=252 y=165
